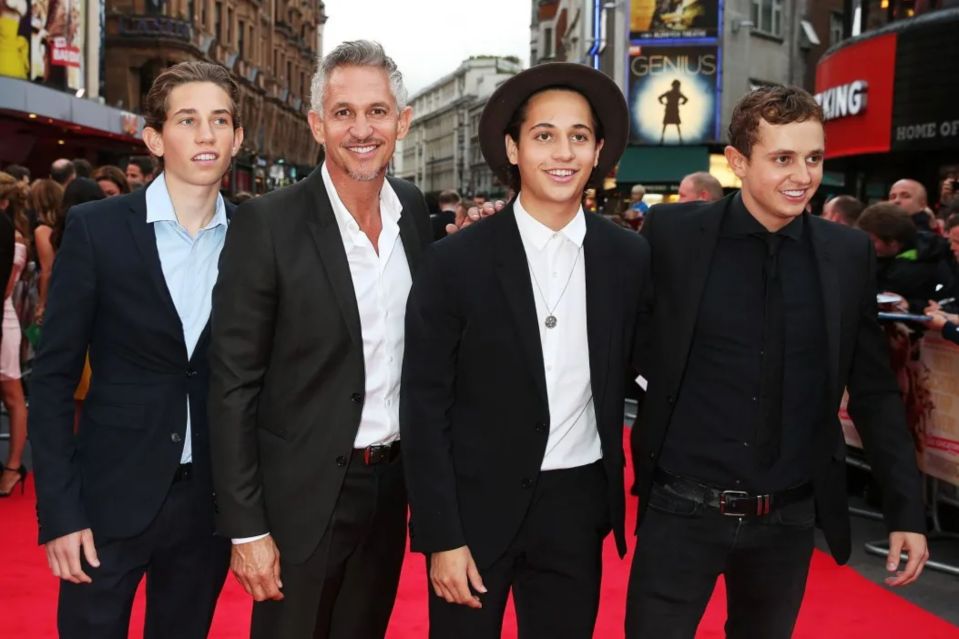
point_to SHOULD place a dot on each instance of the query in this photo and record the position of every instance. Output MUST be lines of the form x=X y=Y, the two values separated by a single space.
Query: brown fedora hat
x=599 y=89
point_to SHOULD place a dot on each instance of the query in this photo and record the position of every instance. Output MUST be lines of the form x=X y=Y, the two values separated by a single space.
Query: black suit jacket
x=108 y=294
x=682 y=238
x=287 y=363
x=474 y=414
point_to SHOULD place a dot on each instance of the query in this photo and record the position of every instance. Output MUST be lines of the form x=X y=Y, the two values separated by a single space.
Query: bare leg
x=12 y=391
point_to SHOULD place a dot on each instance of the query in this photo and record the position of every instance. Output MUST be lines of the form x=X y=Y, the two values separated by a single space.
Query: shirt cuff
x=246 y=540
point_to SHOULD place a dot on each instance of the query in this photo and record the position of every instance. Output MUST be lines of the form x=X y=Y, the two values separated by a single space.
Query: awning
x=661 y=164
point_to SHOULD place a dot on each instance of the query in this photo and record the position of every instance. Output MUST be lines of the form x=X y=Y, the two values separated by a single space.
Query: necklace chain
x=550 y=318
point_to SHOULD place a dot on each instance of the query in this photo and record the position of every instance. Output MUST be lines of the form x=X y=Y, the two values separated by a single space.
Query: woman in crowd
x=46 y=198
x=111 y=180
x=15 y=194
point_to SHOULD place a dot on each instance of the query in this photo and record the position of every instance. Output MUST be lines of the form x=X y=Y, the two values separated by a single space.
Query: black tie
x=774 y=329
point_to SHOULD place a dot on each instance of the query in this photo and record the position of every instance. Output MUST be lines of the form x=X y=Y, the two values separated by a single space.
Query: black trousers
x=681 y=549
x=346 y=589
x=185 y=567
x=553 y=566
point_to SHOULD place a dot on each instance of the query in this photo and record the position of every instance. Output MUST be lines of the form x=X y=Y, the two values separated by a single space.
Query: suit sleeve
x=876 y=407
x=242 y=325
x=67 y=330
x=644 y=310
x=433 y=331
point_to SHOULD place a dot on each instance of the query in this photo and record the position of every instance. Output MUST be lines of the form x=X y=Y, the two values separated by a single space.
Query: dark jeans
x=553 y=566
x=681 y=549
x=185 y=567
x=346 y=588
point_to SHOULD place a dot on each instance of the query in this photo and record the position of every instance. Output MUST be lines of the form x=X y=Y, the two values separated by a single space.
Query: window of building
x=767 y=16
x=252 y=45
x=218 y=19
x=190 y=10
x=289 y=73
x=547 y=43
x=835 y=27
x=241 y=39
x=229 y=26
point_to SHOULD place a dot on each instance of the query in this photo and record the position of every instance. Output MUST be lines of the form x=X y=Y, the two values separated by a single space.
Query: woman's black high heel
x=23 y=472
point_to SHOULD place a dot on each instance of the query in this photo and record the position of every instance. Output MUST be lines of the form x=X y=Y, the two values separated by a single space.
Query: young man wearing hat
x=518 y=334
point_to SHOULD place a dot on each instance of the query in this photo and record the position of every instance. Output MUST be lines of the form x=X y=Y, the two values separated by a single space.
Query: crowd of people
x=255 y=369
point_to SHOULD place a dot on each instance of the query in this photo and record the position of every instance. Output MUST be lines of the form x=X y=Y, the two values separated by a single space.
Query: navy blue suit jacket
x=108 y=294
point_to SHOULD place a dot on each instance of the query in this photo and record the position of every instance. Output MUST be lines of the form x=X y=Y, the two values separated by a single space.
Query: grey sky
x=430 y=38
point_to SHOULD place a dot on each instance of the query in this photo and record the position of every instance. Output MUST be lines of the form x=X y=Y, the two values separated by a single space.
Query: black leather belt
x=183 y=472
x=372 y=455
x=735 y=503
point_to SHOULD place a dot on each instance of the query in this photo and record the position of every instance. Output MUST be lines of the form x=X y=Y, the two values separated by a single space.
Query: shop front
x=891 y=107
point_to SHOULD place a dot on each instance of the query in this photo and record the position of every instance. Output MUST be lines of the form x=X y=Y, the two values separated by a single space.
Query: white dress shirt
x=555 y=258
x=381 y=283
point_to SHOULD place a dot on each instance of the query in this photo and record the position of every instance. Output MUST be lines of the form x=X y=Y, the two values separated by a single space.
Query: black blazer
x=474 y=414
x=287 y=363
x=108 y=294
x=682 y=238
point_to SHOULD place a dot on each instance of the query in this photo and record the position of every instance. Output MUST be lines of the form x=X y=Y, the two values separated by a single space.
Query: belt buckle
x=727 y=500
x=374 y=455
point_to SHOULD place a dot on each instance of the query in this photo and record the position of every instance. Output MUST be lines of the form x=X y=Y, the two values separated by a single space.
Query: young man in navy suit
x=129 y=493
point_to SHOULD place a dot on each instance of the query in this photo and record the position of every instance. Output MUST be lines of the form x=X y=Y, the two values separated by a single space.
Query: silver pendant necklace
x=550 y=316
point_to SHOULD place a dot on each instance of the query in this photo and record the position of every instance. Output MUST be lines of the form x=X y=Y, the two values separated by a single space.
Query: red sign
x=866 y=71
x=63 y=55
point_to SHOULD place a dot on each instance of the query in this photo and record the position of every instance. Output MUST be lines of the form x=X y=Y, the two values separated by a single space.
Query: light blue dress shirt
x=189 y=267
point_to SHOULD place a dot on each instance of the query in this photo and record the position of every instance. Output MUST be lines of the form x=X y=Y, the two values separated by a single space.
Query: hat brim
x=599 y=89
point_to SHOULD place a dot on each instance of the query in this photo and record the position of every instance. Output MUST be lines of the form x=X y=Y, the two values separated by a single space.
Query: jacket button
x=176 y=438
x=540 y=427
x=357 y=398
x=190 y=372
x=527 y=482
x=670 y=399
x=652 y=455
x=341 y=461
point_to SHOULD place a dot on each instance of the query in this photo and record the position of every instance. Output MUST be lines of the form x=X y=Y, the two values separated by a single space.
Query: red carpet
x=839 y=603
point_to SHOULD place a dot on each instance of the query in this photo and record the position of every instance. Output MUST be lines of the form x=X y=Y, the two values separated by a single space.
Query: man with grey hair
x=700 y=187
x=63 y=172
x=306 y=353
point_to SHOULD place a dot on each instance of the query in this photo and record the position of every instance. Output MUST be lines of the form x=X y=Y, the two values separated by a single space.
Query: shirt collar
x=739 y=222
x=390 y=206
x=160 y=205
x=538 y=234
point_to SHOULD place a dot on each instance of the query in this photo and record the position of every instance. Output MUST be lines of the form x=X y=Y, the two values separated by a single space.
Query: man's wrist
x=246 y=540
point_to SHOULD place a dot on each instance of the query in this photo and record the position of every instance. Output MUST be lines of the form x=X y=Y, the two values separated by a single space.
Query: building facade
x=271 y=46
x=442 y=149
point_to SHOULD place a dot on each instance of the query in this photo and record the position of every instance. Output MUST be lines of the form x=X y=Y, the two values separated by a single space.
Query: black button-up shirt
x=712 y=434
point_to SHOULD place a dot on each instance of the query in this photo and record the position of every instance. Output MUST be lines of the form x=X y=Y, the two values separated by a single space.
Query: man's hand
x=475 y=213
x=63 y=556
x=256 y=565
x=452 y=572
x=915 y=545
x=939 y=317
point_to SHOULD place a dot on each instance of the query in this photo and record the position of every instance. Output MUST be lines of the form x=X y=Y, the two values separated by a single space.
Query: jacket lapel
x=602 y=305
x=326 y=235
x=512 y=270
x=144 y=236
x=412 y=245
x=698 y=255
x=828 y=282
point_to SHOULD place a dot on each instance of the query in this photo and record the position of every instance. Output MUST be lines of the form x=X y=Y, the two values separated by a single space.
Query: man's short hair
x=638 y=189
x=705 y=182
x=776 y=104
x=158 y=97
x=83 y=167
x=848 y=208
x=889 y=223
x=145 y=164
x=448 y=197
x=953 y=220
x=356 y=53
x=18 y=171
x=62 y=170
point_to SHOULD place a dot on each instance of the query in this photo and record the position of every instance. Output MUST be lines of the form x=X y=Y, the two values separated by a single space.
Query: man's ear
x=154 y=140
x=599 y=147
x=512 y=149
x=738 y=162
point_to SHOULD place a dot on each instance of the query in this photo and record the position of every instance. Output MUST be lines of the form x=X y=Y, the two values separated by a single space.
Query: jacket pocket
x=130 y=416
